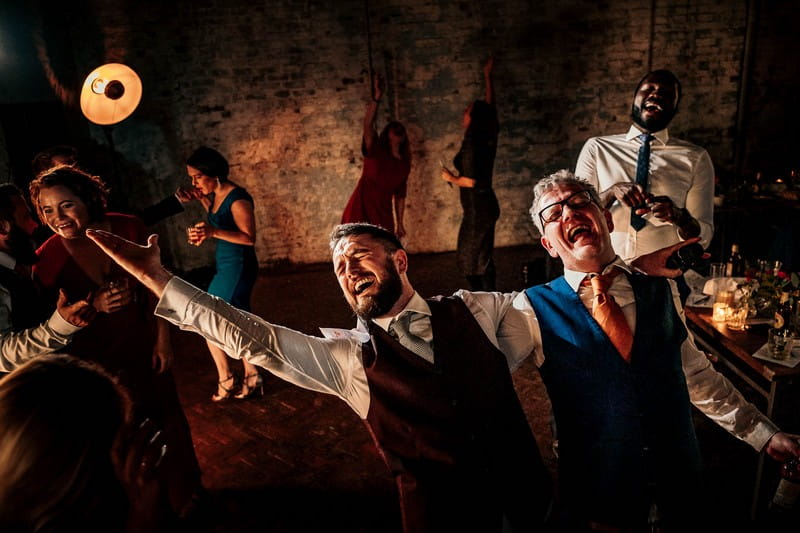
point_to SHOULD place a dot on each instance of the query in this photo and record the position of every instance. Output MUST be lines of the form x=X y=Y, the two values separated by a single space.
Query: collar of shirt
x=575 y=278
x=661 y=136
x=417 y=306
x=7 y=260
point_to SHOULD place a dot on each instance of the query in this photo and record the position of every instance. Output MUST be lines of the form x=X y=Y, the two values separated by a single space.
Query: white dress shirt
x=678 y=169
x=18 y=347
x=333 y=365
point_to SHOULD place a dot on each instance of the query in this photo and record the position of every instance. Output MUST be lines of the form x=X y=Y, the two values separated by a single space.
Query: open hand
x=142 y=262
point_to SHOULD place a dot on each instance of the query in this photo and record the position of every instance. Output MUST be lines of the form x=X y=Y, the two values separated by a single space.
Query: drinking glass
x=717 y=270
x=737 y=317
x=191 y=236
x=778 y=343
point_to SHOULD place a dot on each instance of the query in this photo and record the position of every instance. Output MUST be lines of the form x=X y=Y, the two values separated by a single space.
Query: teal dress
x=237 y=265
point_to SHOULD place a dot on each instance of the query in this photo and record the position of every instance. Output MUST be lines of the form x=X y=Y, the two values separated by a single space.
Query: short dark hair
x=663 y=74
x=90 y=189
x=388 y=239
x=210 y=162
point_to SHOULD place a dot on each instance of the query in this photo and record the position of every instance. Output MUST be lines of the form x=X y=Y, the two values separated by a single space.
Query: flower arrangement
x=763 y=287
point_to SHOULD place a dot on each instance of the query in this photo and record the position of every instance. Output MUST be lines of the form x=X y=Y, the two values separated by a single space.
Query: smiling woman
x=125 y=339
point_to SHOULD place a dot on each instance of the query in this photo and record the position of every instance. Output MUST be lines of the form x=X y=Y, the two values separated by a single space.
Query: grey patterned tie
x=399 y=329
x=642 y=174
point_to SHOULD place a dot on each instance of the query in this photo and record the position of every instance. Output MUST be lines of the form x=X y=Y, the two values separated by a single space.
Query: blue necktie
x=642 y=171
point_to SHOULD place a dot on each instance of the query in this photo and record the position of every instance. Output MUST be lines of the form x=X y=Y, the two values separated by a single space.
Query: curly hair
x=90 y=189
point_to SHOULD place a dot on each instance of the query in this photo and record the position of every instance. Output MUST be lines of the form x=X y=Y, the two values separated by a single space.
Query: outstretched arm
x=323 y=365
x=370 y=133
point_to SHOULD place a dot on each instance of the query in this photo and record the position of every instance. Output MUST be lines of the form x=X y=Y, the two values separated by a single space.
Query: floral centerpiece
x=764 y=285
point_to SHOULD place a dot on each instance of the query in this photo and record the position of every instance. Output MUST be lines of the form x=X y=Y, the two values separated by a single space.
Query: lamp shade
x=110 y=94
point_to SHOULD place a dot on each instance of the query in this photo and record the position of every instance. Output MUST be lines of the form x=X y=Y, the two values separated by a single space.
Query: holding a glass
x=192 y=235
x=113 y=295
x=198 y=233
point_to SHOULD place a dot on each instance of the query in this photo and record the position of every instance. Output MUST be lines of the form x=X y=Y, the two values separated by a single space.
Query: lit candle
x=720 y=312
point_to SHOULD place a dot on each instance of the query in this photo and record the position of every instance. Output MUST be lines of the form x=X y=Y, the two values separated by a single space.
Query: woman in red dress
x=125 y=338
x=387 y=163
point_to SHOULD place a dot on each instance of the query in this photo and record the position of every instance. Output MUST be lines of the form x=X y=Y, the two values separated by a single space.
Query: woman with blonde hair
x=125 y=339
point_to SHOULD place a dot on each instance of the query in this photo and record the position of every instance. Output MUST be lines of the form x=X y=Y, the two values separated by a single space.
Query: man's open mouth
x=653 y=107
x=577 y=231
x=362 y=285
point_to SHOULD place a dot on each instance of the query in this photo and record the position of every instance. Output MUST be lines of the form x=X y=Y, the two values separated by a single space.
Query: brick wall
x=280 y=88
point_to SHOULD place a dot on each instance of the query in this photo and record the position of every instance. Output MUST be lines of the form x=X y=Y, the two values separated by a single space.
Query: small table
x=776 y=383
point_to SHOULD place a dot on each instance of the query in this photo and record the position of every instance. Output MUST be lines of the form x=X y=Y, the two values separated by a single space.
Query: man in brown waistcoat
x=431 y=378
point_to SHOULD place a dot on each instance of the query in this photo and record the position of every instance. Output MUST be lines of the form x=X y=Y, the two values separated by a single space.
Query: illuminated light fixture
x=110 y=94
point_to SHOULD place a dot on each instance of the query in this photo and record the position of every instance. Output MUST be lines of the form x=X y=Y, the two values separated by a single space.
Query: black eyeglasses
x=577 y=200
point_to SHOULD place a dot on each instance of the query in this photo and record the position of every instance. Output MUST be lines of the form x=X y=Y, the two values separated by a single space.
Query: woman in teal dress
x=232 y=223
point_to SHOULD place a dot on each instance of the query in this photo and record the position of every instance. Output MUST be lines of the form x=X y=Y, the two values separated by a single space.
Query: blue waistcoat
x=625 y=430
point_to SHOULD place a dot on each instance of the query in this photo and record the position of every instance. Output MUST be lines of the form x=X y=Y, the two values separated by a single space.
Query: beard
x=653 y=124
x=21 y=246
x=389 y=291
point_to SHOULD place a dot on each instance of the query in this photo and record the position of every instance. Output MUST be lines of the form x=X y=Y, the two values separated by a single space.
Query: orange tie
x=608 y=314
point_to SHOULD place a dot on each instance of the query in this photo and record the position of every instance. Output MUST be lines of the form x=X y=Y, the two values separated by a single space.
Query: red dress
x=122 y=343
x=383 y=177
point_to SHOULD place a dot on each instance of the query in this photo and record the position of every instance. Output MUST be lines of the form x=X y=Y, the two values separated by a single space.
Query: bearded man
x=659 y=189
x=431 y=378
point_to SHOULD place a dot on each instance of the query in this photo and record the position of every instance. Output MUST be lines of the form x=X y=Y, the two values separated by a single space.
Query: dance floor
x=300 y=461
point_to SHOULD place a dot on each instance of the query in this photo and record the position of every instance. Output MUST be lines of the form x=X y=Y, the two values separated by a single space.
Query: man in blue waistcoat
x=628 y=455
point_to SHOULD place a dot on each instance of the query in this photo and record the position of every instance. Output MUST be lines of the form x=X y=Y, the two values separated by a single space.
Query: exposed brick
x=280 y=87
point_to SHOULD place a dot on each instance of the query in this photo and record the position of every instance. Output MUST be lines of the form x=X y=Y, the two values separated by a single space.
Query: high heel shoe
x=249 y=391
x=227 y=391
